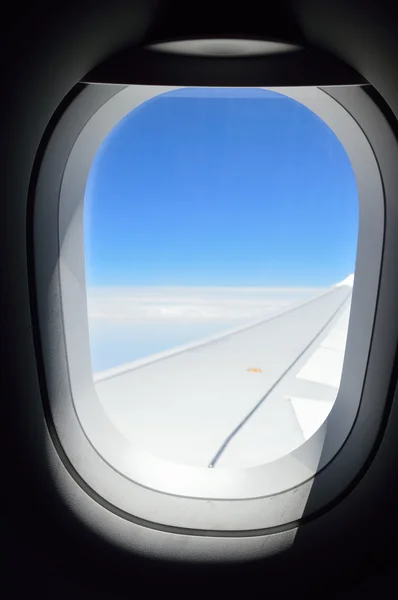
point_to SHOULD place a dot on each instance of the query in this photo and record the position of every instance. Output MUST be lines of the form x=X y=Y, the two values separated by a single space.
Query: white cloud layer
x=190 y=304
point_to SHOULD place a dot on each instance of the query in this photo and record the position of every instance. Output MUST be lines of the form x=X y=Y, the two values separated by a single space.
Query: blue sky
x=220 y=188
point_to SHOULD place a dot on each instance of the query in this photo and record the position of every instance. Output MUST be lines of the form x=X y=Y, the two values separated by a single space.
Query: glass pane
x=220 y=244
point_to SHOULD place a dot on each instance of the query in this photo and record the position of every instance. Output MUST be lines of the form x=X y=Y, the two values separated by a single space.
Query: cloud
x=189 y=304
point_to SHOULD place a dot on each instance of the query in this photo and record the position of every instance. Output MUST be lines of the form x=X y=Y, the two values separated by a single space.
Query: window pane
x=218 y=223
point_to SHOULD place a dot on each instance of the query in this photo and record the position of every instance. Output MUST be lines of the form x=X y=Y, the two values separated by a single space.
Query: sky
x=207 y=209
x=214 y=187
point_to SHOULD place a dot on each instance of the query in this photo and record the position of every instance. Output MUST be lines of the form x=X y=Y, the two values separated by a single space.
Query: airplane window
x=220 y=231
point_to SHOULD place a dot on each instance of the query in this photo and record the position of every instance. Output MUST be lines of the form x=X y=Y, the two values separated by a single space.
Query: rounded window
x=197 y=253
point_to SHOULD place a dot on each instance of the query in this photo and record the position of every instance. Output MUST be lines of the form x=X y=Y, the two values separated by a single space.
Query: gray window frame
x=143 y=489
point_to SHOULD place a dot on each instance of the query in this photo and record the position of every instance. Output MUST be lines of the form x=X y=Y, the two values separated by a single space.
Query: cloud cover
x=178 y=304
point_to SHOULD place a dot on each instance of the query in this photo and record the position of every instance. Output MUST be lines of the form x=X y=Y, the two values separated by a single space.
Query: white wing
x=242 y=399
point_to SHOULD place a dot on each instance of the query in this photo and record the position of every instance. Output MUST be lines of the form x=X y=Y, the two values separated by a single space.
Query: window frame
x=59 y=271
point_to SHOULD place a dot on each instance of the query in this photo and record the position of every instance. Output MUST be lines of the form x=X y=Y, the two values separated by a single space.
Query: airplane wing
x=242 y=399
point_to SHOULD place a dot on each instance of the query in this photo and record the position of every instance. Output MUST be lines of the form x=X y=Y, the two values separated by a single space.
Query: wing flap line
x=224 y=445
